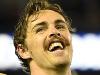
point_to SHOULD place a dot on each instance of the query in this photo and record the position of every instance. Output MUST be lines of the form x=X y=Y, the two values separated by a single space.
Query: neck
x=36 y=70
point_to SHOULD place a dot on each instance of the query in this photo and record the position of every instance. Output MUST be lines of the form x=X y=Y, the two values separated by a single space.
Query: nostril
x=55 y=35
x=52 y=35
x=58 y=34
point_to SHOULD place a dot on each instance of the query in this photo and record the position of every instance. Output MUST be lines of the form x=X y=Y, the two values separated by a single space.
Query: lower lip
x=58 y=52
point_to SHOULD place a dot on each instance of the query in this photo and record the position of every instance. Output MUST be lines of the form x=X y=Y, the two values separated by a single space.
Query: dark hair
x=32 y=7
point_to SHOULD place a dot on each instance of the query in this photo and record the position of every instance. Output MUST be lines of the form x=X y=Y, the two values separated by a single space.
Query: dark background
x=85 y=15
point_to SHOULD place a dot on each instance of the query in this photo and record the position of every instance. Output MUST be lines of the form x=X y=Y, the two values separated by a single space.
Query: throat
x=58 y=70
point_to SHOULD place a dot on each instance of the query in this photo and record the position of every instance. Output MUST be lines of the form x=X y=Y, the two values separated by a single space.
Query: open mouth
x=56 y=45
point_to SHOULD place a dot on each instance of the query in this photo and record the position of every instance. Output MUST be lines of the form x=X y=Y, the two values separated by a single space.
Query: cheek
x=67 y=36
x=71 y=52
x=70 y=38
x=37 y=49
x=38 y=42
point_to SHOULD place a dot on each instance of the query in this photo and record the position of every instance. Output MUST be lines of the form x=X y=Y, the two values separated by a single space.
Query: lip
x=55 y=41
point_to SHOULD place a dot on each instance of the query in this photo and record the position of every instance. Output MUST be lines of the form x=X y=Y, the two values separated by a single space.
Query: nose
x=54 y=33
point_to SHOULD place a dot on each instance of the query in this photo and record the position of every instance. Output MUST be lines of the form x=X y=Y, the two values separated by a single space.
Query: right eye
x=40 y=29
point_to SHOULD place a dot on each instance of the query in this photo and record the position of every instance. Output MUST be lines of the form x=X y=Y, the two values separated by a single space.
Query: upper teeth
x=55 y=45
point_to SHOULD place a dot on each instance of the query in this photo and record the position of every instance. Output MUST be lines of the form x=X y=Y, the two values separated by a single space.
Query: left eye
x=60 y=27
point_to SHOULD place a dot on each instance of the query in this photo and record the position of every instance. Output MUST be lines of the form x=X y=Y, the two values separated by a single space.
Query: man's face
x=48 y=39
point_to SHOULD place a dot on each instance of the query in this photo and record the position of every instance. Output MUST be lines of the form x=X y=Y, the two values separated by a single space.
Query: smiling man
x=43 y=40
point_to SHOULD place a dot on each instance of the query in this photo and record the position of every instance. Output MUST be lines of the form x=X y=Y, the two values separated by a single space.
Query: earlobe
x=23 y=52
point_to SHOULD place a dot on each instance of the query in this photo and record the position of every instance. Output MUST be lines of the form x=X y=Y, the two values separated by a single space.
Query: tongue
x=57 y=52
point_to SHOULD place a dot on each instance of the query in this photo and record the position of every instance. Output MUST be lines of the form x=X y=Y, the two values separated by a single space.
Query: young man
x=43 y=40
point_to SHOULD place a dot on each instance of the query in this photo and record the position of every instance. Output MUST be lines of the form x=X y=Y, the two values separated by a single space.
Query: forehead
x=45 y=15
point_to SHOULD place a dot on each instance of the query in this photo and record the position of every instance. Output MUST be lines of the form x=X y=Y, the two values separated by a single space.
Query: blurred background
x=85 y=15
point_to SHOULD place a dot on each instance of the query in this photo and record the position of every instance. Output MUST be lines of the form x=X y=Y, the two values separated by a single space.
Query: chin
x=62 y=63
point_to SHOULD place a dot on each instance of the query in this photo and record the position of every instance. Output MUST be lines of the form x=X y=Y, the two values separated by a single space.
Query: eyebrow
x=59 y=21
x=40 y=24
x=44 y=23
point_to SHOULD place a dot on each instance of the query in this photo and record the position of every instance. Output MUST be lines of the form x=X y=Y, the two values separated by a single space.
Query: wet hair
x=31 y=8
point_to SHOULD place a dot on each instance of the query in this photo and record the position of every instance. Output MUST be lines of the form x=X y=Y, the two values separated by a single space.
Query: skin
x=2 y=74
x=49 y=26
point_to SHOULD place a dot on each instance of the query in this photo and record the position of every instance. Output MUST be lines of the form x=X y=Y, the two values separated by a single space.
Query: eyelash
x=40 y=29
x=60 y=27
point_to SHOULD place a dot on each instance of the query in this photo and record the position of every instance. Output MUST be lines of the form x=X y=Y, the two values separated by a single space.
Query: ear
x=23 y=52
